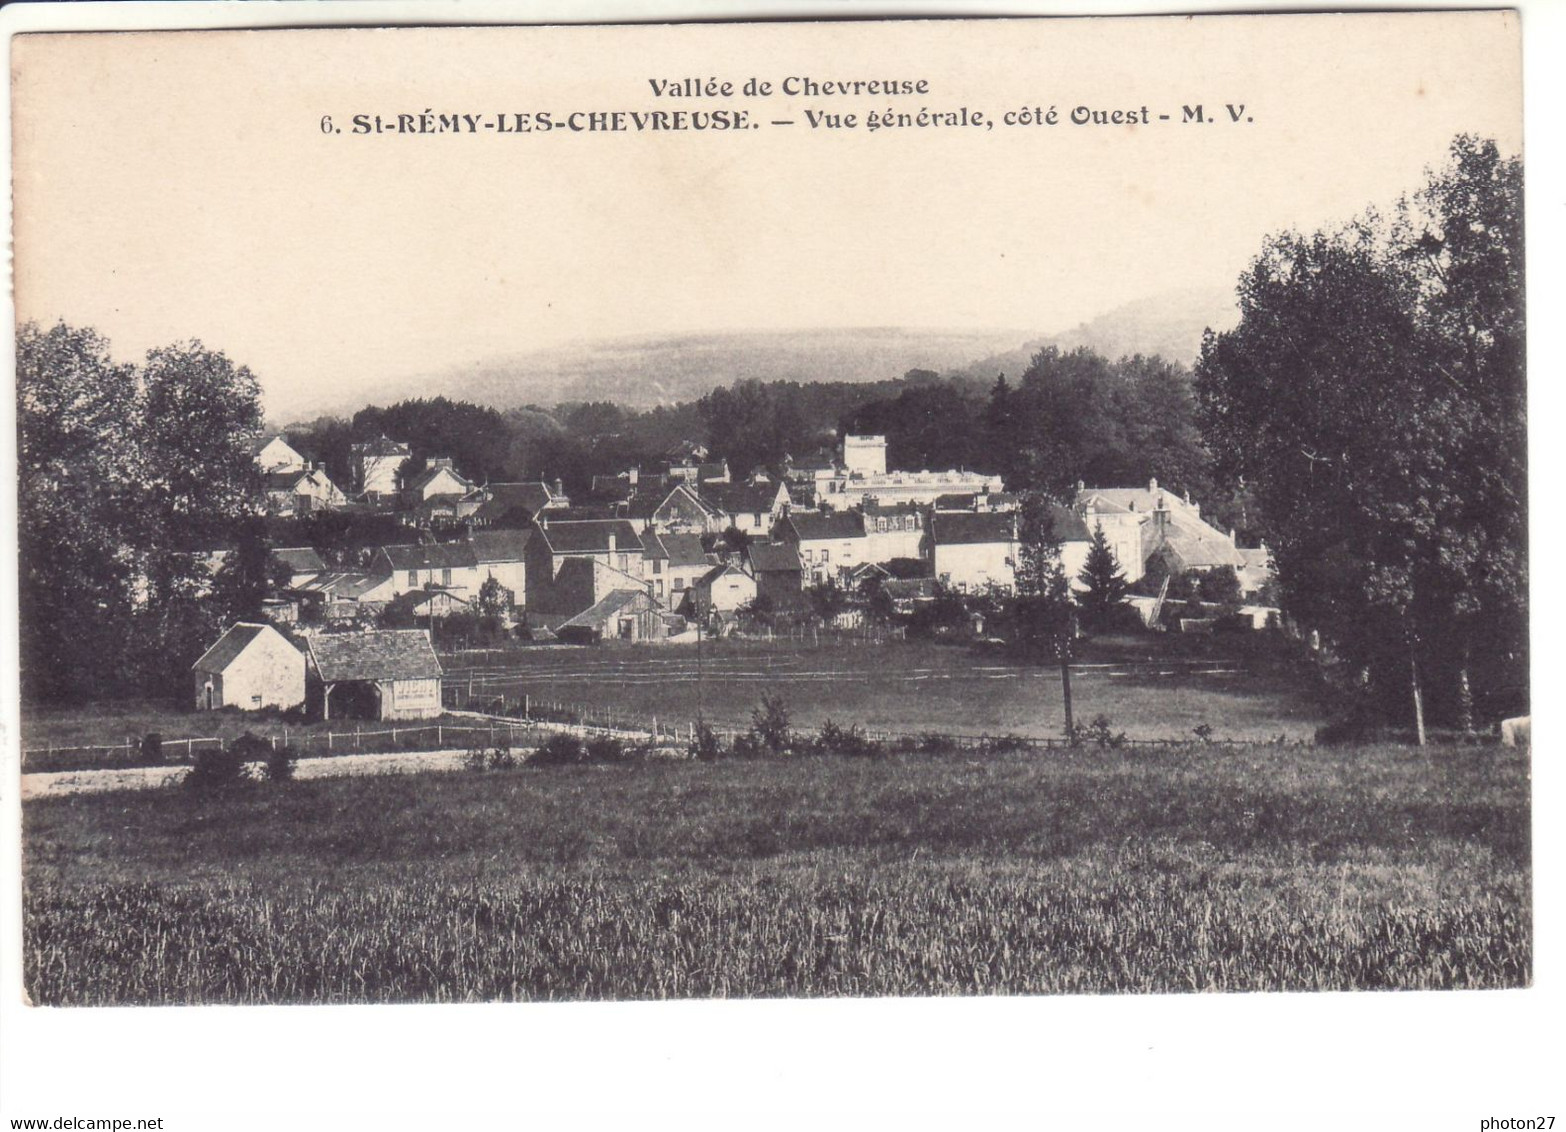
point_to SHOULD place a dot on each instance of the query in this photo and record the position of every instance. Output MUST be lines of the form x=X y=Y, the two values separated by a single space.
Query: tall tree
x=1372 y=397
x=81 y=509
x=1103 y=580
x=201 y=412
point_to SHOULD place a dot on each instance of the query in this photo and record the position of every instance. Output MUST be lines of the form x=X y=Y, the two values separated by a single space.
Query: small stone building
x=252 y=666
x=384 y=674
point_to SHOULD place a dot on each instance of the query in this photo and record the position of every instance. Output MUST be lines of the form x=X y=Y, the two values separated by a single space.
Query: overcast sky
x=171 y=186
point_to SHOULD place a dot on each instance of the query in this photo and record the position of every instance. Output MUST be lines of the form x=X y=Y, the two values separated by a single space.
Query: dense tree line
x=1373 y=399
x=1069 y=416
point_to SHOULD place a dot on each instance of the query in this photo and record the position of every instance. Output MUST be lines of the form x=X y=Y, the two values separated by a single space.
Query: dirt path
x=58 y=783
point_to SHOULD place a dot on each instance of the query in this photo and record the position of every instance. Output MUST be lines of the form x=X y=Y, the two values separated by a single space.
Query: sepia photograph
x=862 y=509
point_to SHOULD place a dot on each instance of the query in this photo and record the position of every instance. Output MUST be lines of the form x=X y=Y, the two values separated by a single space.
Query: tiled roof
x=228 y=647
x=740 y=498
x=283 y=481
x=678 y=549
x=1196 y=545
x=952 y=527
x=386 y=654
x=258 y=445
x=300 y=559
x=431 y=556
x=342 y=585
x=684 y=549
x=813 y=525
x=1141 y=500
x=589 y=536
x=718 y=571
x=519 y=502
x=648 y=499
x=768 y=557
x=1068 y=526
x=428 y=475
x=596 y=615
x=499 y=546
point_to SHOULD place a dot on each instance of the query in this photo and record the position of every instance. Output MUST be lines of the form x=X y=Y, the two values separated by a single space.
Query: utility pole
x=1065 y=693
x=1419 y=699
x=700 y=674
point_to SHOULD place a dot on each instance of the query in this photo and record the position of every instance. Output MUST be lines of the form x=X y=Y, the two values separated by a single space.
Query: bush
x=834 y=740
x=151 y=748
x=1003 y=744
x=1100 y=730
x=769 y=725
x=748 y=746
x=605 y=749
x=217 y=769
x=931 y=743
x=280 y=764
x=560 y=749
x=705 y=744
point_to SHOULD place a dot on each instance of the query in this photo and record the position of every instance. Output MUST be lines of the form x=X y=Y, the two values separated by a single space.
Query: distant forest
x=1068 y=416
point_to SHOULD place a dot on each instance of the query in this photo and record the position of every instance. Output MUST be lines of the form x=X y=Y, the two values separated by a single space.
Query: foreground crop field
x=913 y=687
x=1088 y=871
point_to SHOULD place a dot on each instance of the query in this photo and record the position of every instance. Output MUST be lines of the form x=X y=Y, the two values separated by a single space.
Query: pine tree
x=1105 y=581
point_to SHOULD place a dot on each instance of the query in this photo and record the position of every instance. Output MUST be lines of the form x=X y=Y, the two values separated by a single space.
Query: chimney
x=613 y=546
x=633 y=475
x=559 y=487
x=1152 y=485
x=1081 y=487
x=1231 y=534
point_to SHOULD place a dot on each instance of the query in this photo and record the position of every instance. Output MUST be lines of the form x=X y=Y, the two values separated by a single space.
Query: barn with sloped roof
x=385 y=674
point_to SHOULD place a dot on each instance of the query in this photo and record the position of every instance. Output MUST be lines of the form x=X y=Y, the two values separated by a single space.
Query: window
x=658 y=567
x=658 y=587
x=625 y=563
x=826 y=556
x=413 y=579
x=679 y=585
x=445 y=576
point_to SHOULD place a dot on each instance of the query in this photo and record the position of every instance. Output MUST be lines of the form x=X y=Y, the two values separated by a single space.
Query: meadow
x=1265 y=867
x=1156 y=686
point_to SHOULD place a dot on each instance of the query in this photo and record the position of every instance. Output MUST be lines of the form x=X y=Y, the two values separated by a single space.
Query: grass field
x=1157 y=690
x=1193 y=868
x=107 y=722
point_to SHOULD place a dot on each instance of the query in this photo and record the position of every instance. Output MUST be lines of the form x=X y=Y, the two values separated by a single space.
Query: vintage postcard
x=890 y=508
